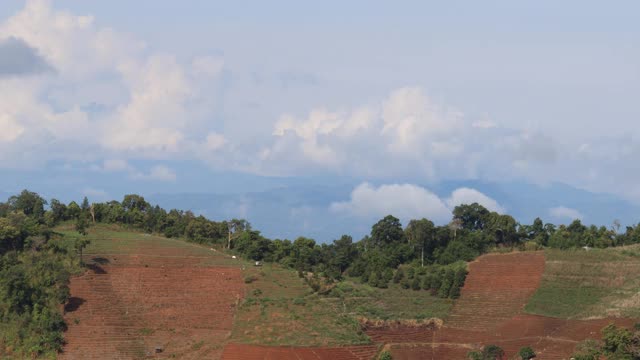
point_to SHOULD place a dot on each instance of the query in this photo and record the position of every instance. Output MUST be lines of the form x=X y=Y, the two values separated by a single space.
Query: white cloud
x=469 y=196
x=405 y=201
x=151 y=105
x=410 y=117
x=565 y=213
x=408 y=201
x=157 y=173
x=215 y=141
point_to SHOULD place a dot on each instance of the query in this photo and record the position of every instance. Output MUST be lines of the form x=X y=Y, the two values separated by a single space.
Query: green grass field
x=107 y=239
x=579 y=284
x=280 y=309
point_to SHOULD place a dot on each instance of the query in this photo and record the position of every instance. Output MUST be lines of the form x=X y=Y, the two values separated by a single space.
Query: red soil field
x=125 y=307
x=252 y=352
x=490 y=311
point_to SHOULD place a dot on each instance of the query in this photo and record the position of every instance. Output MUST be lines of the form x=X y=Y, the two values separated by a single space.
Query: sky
x=388 y=98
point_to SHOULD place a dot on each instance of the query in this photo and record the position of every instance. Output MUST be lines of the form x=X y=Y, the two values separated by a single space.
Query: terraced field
x=491 y=311
x=166 y=300
x=497 y=288
x=254 y=352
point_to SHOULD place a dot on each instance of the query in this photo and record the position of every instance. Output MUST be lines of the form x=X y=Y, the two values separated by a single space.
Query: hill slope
x=144 y=295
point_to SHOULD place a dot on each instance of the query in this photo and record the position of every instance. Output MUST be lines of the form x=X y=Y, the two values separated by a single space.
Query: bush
x=299 y=301
x=531 y=246
x=493 y=352
x=415 y=283
x=410 y=273
x=474 y=355
x=405 y=284
x=587 y=350
x=399 y=275
x=374 y=279
x=385 y=355
x=526 y=353
x=249 y=279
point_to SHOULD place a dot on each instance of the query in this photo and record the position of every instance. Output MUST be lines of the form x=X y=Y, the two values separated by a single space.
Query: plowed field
x=252 y=352
x=147 y=296
x=490 y=311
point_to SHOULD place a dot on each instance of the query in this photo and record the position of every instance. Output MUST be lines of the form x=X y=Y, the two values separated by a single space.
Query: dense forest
x=36 y=262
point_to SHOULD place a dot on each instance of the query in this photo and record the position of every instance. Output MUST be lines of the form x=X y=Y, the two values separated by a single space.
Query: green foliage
x=492 y=352
x=587 y=350
x=617 y=344
x=385 y=355
x=489 y=352
x=526 y=353
x=615 y=340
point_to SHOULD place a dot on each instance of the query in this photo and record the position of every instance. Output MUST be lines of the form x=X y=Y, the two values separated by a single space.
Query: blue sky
x=104 y=98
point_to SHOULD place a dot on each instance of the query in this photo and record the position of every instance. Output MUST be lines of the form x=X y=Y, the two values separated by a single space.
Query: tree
x=502 y=227
x=8 y=235
x=85 y=204
x=473 y=216
x=421 y=233
x=28 y=202
x=526 y=353
x=133 y=201
x=81 y=242
x=73 y=210
x=235 y=227
x=343 y=253
x=386 y=232
x=58 y=210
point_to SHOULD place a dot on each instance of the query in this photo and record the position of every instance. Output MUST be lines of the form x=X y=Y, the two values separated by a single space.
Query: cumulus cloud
x=17 y=58
x=565 y=213
x=408 y=201
x=150 y=105
x=469 y=196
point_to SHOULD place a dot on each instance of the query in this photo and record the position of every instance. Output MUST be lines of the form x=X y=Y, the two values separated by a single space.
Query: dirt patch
x=136 y=306
x=254 y=352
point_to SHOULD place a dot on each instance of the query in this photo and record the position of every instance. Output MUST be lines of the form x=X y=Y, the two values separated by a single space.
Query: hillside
x=144 y=293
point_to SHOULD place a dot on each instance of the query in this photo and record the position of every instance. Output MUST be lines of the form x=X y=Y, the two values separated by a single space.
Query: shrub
x=257 y=292
x=385 y=355
x=374 y=279
x=415 y=283
x=587 y=350
x=399 y=275
x=526 y=353
x=531 y=246
x=249 y=279
x=299 y=301
x=405 y=284
x=474 y=355
x=410 y=273
x=493 y=352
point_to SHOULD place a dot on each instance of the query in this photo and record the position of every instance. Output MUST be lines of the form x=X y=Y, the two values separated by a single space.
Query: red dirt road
x=124 y=309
